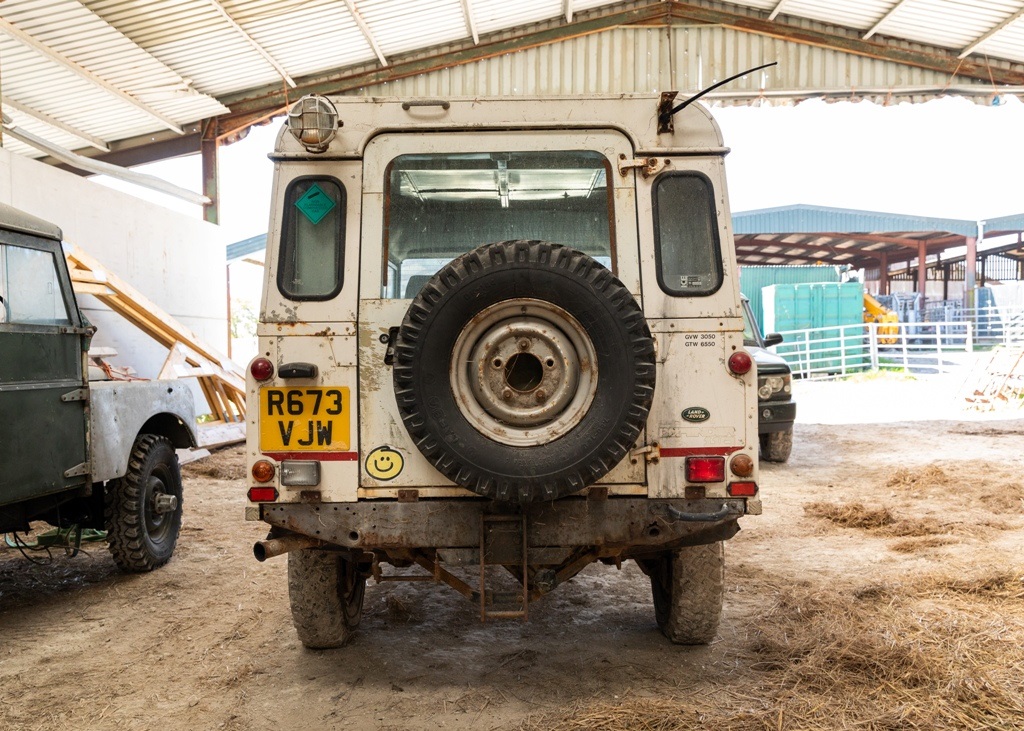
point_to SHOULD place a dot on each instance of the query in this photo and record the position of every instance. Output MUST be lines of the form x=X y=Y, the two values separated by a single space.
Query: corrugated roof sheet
x=178 y=58
x=816 y=219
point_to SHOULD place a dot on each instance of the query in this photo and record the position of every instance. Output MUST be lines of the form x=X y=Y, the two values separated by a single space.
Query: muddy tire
x=524 y=371
x=326 y=593
x=777 y=445
x=688 y=586
x=142 y=510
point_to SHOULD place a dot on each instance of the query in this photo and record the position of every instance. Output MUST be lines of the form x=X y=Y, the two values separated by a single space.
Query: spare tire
x=524 y=371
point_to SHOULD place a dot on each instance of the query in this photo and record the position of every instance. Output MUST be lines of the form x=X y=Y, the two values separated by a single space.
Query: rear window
x=439 y=206
x=687 y=248
x=312 y=239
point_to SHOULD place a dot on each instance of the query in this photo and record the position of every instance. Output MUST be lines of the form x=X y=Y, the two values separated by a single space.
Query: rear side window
x=312 y=240
x=30 y=292
x=687 y=248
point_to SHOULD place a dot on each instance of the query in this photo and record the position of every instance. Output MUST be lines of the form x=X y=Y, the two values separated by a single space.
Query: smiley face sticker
x=384 y=463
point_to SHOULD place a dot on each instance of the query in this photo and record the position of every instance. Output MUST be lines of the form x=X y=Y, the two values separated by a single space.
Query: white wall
x=174 y=260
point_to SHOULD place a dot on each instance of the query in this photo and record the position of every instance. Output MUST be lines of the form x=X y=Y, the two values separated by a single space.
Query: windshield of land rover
x=441 y=205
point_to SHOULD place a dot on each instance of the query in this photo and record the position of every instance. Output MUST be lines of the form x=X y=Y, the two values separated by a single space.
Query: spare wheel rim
x=524 y=372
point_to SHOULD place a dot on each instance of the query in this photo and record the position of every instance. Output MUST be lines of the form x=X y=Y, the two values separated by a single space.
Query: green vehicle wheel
x=143 y=508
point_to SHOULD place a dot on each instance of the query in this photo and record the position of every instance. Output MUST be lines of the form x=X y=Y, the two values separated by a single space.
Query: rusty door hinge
x=647 y=166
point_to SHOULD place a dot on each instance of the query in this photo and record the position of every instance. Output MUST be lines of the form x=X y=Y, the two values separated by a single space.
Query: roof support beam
x=367 y=33
x=57 y=57
x=998 y=29
x=778 y=9
x=933 y=59
x=467 y=12
x=271 y=98
x=884 y=19
x=101 y=168
x=252 y=42
x=567 y=10
x=57 y=124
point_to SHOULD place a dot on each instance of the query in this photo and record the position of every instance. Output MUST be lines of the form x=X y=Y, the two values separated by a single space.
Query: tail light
x=262 y=494
x=740 y=362
x=261 y=369
x=705 y=469
x=742 y=489
x=742 y=465
x=263 y=471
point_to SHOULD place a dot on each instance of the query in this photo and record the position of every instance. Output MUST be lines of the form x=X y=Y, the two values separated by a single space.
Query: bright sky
x=948 y=157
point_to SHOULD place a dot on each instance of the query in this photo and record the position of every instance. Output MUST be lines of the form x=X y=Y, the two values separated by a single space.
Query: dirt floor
x=882 y=588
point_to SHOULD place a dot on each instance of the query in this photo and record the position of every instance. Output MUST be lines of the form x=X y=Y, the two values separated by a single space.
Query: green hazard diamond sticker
x=315 y=204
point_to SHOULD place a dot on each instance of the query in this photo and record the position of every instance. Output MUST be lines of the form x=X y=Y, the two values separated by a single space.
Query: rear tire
x=141 y=526
x=688 y=586
x=326 y=592
x=777 y=445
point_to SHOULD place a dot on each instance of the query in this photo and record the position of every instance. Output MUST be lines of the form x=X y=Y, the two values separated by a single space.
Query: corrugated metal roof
x=817 y=219
x=1005 y=224
x=91 y=72
x=804 y=234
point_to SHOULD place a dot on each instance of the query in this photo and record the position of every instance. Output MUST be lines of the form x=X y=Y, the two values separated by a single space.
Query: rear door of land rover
x=430 y=197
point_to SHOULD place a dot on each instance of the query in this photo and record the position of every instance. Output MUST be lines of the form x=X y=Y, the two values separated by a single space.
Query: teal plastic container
x=823 y=308
x=755 y=278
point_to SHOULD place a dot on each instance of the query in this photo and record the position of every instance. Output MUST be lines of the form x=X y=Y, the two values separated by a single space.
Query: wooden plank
x=221 y=380
x=147 y=311
x=97 y=290
x=219 y=434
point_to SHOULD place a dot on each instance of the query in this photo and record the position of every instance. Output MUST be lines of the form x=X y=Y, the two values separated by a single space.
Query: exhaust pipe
x=271 y=547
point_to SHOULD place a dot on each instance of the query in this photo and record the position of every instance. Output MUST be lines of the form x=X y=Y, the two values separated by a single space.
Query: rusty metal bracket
x=525 y=596
x=647 y=166
x=78 y=470
x=665 y=123
x=651 y=453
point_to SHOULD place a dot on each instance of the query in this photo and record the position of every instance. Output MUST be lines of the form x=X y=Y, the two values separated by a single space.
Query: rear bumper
x=622 y=526
x=775 y=416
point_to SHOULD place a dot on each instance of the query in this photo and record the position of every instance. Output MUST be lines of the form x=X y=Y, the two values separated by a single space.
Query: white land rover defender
x=500 y=332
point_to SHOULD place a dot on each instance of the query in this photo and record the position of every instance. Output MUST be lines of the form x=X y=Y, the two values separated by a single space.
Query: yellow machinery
x=874 y=311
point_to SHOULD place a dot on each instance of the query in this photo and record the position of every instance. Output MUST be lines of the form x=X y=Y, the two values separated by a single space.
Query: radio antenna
x=665 y=112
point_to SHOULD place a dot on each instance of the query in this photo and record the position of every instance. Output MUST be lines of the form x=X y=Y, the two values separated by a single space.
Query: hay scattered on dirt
x=223 y=464
x=851 y=515
x=1008 y=496
x=919 y=478
x=881 y=521
x=913 y=545
x=1000 y=586
x=926 y=654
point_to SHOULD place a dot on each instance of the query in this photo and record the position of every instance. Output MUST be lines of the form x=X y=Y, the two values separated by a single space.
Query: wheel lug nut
x=524 y=344
x=540 y=396
x=506 y=394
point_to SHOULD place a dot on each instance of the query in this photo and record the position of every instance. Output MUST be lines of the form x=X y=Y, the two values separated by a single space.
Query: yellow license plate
x=304 y=419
